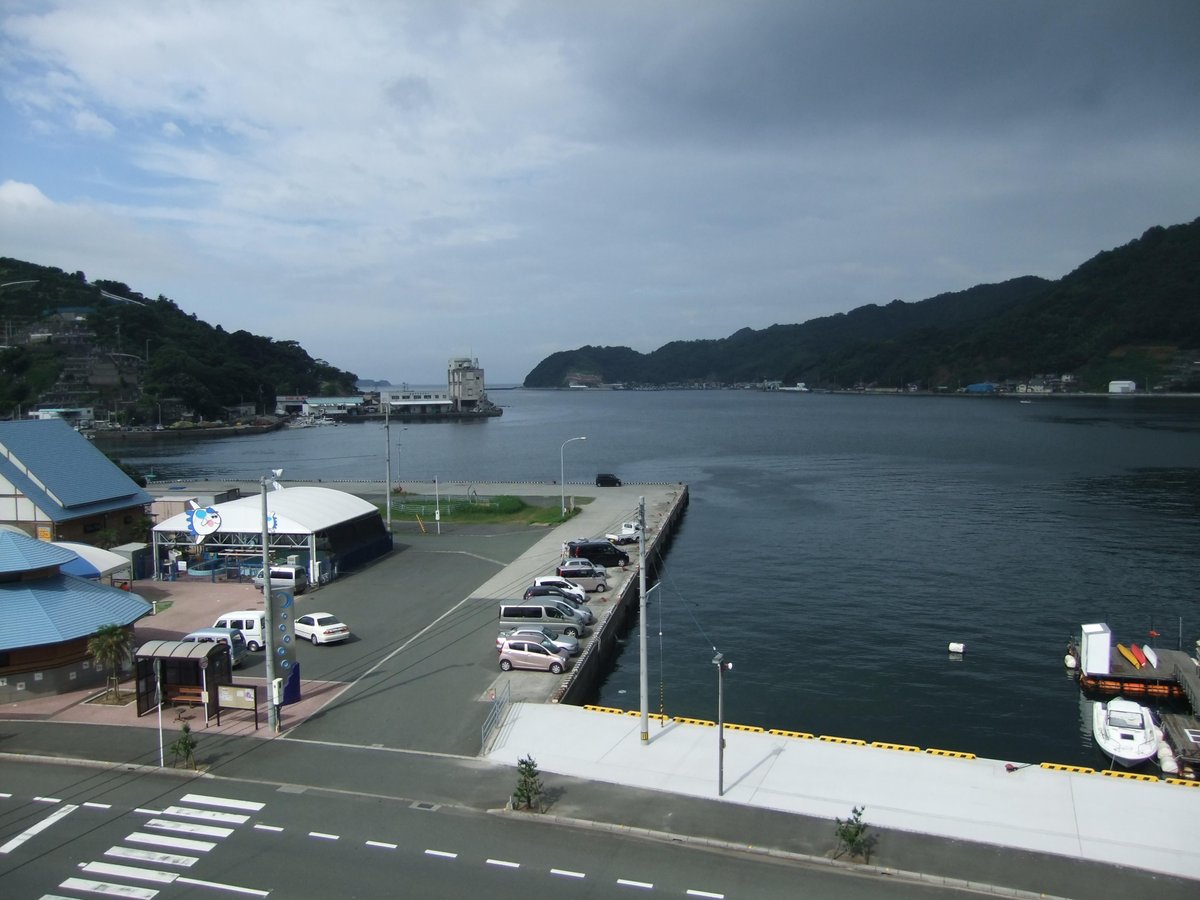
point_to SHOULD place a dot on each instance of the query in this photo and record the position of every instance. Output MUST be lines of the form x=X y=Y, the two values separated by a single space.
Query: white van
x=285 y=578
x=558 y=615
x=231 y=636
x=250 y=622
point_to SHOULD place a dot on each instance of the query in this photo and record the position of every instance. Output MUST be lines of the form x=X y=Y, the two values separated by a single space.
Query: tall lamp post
x=722 y=667
x=268 y=616
x=562 y=471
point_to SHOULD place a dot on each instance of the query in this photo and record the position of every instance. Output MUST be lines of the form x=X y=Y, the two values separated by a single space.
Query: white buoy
x=957 y=647
x=1069 y=661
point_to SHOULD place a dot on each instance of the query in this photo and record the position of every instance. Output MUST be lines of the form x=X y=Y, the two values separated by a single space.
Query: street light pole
x=268 y=617
x=722 y=668
x=387 y=438
x=562 y=472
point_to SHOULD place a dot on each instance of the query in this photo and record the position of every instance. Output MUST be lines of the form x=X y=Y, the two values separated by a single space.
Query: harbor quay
x=419 y=682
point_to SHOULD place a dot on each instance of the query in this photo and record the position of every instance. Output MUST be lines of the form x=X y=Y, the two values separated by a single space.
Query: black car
x=602 y=553
x=607 y=479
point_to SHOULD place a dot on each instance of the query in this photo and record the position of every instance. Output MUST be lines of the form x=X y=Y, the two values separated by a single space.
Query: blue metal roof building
x=56 y=485
x=46 y=618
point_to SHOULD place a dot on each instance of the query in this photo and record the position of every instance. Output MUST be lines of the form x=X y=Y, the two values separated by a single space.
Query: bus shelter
x=187 y=671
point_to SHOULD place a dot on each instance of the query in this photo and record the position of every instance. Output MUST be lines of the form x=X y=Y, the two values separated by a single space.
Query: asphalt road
x=68 y=831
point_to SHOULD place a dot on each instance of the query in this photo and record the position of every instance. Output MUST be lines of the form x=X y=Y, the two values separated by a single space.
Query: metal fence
x=500 y=700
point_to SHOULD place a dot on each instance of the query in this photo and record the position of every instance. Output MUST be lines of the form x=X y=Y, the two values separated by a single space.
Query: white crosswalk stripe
x=151 y=856
x=137 y=873
x=223 y=802
x=206 y=815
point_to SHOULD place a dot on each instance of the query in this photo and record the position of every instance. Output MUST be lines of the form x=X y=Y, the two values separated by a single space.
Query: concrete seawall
x=593 y=664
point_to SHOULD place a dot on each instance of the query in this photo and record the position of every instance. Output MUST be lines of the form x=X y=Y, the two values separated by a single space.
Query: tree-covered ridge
x=1126 y=313
x=60 y=327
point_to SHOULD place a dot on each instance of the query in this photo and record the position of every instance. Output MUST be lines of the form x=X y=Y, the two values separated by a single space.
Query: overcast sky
x=395 y=183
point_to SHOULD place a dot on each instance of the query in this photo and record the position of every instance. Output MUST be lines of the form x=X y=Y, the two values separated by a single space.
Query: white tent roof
x=294 y=510
x=105 y=562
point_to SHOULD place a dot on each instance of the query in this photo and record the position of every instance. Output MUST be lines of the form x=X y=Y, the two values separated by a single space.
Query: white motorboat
x=1125 y=731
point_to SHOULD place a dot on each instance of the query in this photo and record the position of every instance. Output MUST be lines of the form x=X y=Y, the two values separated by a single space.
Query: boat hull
x=1124 y=731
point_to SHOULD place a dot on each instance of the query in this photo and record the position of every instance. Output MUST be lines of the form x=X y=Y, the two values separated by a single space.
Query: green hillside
x=68 y=342
x=1132 y=312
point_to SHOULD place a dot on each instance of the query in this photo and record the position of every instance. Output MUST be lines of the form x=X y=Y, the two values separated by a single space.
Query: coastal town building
x=55 y=485
x=47 y=617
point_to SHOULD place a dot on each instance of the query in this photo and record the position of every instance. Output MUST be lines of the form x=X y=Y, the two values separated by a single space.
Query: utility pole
x=387 y=438
x=268 y=618
x=644 y=682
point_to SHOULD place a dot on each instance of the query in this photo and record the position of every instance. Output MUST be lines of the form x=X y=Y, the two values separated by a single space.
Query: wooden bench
x=185 y=693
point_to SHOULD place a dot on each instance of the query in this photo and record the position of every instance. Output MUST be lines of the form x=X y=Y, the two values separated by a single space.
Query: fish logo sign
x=203 y=521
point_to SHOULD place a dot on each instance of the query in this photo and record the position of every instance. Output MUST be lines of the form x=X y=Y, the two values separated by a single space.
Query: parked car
x=284 y=578
x=585 y=573
x=555 y=612
x=321 y=628
x=539 y=594
x=600 y=552
x=562 y=584
x=540 y=632
x=628 y=533
x=607 y=479
x=530 y=653
x=231 y=636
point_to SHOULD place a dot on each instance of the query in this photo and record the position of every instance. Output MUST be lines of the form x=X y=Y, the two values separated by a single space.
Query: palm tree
x=110 y=646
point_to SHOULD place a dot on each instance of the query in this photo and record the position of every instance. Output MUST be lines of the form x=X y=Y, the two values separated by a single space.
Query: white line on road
x=322 y=835
x=694 y=893
x=443 y=853
x=237 y=889
x=226 y=802
x=91 y=805
x=147 y=812
x=384 y=844
x=206 y=815
x=46 y=800
x=4 y=796
x=60 y=813
x=152 y=856
x=161 y=840
x=107 y=887
x=504 y=862
x=261 y=827
x=190 y=828
x=567 y=873
x=134 y=872
x=645 y=885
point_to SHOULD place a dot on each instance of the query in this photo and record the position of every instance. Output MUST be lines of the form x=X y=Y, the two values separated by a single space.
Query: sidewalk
x=1092 y=818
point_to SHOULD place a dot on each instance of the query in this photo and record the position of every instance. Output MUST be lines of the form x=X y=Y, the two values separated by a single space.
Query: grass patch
x=503 y=509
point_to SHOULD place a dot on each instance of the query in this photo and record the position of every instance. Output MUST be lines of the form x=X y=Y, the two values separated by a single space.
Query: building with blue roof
x=56 y=486
x=47 y=617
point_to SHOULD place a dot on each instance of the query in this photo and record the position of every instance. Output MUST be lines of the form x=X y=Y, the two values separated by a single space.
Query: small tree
x=529 y=785
x=852 y=835
x=184 y=746
x=110 y=647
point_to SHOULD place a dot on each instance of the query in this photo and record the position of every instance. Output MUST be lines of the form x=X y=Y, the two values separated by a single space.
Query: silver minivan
x=285 y=578
x=231 y=636
x=556 y=614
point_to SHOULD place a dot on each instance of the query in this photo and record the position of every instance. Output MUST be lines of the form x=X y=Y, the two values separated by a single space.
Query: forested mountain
x=101 y=344
x=1127 y=313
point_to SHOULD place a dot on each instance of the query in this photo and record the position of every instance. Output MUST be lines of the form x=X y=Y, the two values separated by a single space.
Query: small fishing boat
x=1151 y=655
x=1125 y=731
x=1138 y=654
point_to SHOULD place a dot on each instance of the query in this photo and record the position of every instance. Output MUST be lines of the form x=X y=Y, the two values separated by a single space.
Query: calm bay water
x=836 y=544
